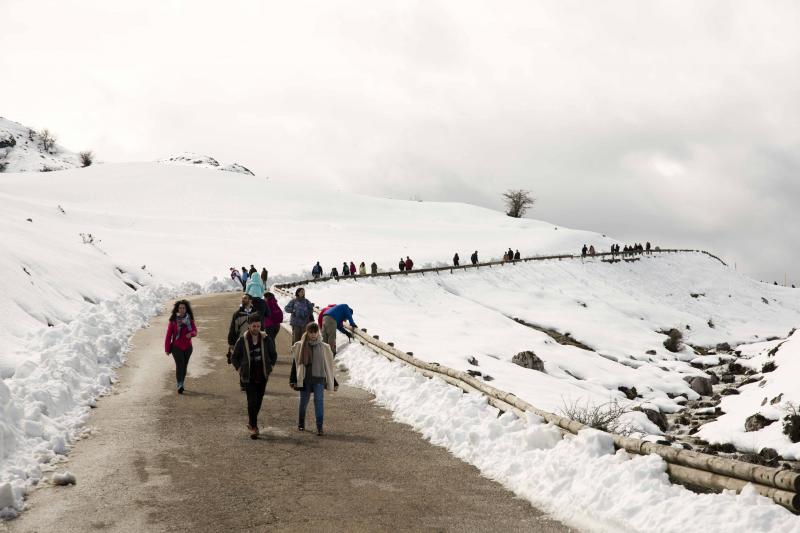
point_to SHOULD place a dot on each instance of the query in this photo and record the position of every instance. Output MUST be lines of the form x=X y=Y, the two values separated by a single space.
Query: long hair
x=305 y=348
x=175 y=310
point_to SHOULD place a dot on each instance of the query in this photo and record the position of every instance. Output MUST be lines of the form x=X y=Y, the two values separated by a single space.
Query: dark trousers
x=181 y=362
x=305 y=395
x=272 y=331
x=255 y=395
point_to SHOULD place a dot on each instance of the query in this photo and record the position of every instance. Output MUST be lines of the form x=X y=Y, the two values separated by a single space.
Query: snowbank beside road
x=44 y=406
x=581 y=480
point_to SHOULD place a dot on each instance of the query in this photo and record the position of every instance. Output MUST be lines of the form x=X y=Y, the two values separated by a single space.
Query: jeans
x=255 y=395
x=181 y=362
x=319 y=392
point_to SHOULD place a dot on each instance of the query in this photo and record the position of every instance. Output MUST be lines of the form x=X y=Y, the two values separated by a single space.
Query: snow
x=768 y=397
x=156 y=223
x=46 y=403
x=617 y=310
x=21 y=150
x=579 y=480
x=204 y=161
x=105 y=246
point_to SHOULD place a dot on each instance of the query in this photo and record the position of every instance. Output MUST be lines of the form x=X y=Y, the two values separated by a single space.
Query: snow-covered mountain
x=23 y=149
x=204 y=161
x=89 y=254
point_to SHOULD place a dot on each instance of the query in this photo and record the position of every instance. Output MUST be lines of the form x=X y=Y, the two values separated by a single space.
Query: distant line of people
x=615 y=249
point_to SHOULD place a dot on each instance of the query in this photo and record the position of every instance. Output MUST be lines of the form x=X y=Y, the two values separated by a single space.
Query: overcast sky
x=675 y=122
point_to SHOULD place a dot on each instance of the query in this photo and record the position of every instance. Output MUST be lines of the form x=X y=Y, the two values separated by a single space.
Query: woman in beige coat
x=312 y=371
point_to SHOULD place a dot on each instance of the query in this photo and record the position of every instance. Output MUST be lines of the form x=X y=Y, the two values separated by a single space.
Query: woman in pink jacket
x=178 y=341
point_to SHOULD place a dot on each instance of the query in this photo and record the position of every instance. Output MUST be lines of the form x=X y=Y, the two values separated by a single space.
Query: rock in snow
x=64 y=478
x=528 y=359
x=204 y=161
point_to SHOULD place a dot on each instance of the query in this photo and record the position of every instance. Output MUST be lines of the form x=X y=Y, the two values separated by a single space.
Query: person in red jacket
x=178 y=341
x=409 y=263
x=319 y=318
x=273 y=317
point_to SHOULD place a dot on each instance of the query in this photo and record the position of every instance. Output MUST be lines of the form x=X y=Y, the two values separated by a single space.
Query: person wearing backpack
x=254 y=356
x=274 y=316
x=178 y=341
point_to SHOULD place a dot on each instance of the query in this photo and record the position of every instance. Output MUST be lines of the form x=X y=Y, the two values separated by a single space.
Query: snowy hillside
x=478 y=320
x=90 y=254
x=95 y=232
x=204 y=161
x=22 y=150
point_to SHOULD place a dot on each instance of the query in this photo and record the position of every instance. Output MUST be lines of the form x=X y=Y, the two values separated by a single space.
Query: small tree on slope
x=517 y=202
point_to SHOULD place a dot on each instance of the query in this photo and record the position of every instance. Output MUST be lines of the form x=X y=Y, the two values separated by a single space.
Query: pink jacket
x=275 y=314
x=178 y=339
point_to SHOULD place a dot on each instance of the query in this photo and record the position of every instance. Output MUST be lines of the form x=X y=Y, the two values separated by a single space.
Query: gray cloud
x=642 y=120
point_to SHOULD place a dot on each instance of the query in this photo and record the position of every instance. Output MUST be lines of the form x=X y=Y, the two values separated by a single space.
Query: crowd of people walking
x=252 y=332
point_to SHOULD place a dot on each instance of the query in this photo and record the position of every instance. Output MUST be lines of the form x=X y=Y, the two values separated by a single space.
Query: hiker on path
x=302 y=313
x=345 y=269
x=409 y=263
x=312 y=371
x=178 y=341
x=352 y=268
x=254 y=355
x=252 y=271
x=255 y=288
x=362 y=269
x=474 y=257
x=584 y=250
x=505 y=256
x=245 y=276
x=239 y=322
x=516 y=256
x=334 y=274
x=510 y=254
x=332 y=320
x=264 y=276
x=316 y=271
x=455 y=259
x=591 y=250
x=274 y=316
x=236 y=277
x=373 y=268
x=647 y=247
x=401 y=265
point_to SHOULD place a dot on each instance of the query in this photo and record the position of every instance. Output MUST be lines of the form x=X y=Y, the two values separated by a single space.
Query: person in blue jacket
x=334 y=319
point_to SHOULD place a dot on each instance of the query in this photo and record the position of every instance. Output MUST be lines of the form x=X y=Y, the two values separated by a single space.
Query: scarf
x=305 y=350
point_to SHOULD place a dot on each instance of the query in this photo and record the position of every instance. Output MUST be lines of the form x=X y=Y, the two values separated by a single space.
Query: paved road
x=158 y=461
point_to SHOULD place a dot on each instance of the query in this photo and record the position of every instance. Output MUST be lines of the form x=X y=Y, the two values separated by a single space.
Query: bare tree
x=87 y=158
x=517 y=202
x=48 y=139
x=606 y=416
